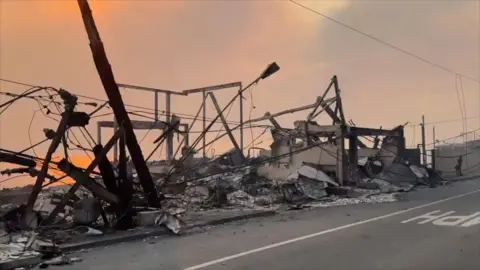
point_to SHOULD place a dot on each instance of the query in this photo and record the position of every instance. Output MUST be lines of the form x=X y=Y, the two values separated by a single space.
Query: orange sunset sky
x=179 y=45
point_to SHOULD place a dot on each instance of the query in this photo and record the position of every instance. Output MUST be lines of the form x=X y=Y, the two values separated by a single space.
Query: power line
x=454 y=137
x=19 y=83
x=385 y=43
x=162 y=112
x=444 y=121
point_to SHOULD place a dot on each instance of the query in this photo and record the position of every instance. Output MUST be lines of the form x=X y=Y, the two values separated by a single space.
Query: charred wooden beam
x=89 y=183
x=116 y=102
x=124 y=190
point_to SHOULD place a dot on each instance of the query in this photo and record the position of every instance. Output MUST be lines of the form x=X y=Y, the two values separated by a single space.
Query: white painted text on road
x=446 y=219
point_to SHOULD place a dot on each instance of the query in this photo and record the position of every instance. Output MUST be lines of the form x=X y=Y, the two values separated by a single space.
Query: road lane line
x=301 y=238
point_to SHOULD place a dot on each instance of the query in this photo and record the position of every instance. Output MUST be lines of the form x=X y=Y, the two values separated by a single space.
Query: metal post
x=204 y=121
x=241 y=118
x=424 y=146
x=170 y=134
x=156 y=106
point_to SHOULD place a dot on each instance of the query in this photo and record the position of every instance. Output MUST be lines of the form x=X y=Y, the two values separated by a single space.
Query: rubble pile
x=290 y=176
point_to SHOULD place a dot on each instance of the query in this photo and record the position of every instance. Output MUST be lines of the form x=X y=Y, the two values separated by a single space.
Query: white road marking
x=301 y=238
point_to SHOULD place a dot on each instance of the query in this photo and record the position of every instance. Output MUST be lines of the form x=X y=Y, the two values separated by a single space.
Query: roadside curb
x=23 y=262
x=105 y=241
x=463 y=178
x=116 y=239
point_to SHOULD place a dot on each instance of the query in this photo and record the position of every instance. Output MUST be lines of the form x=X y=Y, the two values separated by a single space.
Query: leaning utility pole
x=111 y=88
x=424 y=147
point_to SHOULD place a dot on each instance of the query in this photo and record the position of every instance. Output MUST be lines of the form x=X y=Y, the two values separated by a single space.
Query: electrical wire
x=86 y=139
x=85 y=150
x=144 y=136
x=10 y=102
x=444 y=121
x=258 y=137
x=30 y=133
x=152 y=111
x=204 y=100
x=454 y=137
x=384 y=42
x=11 y=178
x=161 y=112
x=460 y=104
x=18 y=83
x=464 y=104
x=465 y=125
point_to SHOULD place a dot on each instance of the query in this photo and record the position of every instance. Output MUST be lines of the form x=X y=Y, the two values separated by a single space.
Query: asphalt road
x=368 y=236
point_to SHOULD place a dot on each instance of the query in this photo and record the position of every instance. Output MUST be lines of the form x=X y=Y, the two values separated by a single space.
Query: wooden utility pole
x=424 y=146
x=70 y=103
x=434 y=139
x=111 y=88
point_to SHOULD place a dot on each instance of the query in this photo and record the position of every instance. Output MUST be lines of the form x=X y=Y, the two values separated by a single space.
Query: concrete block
x=147 y=218
x=87 y=211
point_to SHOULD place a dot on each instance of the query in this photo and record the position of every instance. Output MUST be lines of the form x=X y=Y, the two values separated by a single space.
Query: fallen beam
x=14 y=159
x=88 y=182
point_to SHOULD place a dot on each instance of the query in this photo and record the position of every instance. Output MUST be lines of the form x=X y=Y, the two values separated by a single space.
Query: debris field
x=308 y=165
